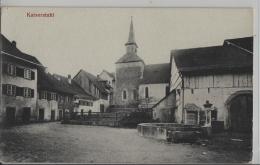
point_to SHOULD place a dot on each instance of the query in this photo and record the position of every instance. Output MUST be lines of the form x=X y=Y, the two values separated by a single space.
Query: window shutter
x=19 y=91
x=48 y=96
x=19 y=72
x=4 y=89
x=32 y=93
x=32 y=75
x=5 y=68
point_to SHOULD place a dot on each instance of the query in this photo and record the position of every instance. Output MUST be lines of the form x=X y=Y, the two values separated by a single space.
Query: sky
x=93 y=38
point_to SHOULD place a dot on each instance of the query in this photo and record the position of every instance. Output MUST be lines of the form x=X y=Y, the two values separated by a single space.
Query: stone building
x=108 y=79
x=73 y=98
x=218 y=76
x=18 y=83
x=96 y=88
x=137 y=85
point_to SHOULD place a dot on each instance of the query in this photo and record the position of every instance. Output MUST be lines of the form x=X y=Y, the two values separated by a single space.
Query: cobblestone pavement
x=54 y=142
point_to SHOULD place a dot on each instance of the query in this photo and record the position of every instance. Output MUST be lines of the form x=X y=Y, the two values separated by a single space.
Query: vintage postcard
x=126 y=85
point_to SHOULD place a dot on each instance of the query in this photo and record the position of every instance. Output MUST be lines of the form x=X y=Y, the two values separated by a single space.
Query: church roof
x=130 y=57
x=156 y=74
x=131 y=37
x=215 y=58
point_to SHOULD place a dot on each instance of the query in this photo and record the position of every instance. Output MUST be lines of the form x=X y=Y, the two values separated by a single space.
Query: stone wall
x=19 y=102
x=164 y=110
x=155 y=91
x=128 y=77
x=48 y=106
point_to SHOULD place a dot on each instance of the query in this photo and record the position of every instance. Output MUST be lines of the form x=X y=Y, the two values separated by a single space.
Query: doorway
x=102 y=108
x=10 y=115
x=41 y=114
x=26 y=115
x=60 y=115
x=52 y=115
x=241 y=113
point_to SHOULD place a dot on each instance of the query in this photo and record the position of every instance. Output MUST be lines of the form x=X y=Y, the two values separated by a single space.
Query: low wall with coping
x=161 y=130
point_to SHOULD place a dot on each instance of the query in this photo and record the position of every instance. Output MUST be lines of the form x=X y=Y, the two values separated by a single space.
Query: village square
x=196 y=108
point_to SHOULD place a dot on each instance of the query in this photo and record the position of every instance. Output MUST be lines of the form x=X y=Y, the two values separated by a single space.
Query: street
x=54 y=142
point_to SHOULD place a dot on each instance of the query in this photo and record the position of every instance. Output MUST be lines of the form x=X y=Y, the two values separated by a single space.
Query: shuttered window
x=26 y=92
x=27 y=74
x=11 y=69
x=12 y=90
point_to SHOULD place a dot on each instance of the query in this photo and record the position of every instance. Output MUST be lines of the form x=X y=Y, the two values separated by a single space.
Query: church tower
x=129 y=71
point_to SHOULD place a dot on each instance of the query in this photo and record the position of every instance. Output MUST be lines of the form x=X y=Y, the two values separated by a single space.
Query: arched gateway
x=240 y=112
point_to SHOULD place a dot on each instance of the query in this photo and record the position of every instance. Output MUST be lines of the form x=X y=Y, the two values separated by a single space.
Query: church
x=138 y=85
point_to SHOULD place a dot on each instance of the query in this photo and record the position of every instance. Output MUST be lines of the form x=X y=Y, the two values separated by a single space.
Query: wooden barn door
x=241 y=113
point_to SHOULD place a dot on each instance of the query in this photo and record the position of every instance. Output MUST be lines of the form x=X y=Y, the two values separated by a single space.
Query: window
x=124 y=95
x=11 y=69
x=146 y=92
x=26 y=92
x=208 y=90
x=192 y=91
x=53 y=96
x=43 y=95
x=10 y=90
x=27 y=74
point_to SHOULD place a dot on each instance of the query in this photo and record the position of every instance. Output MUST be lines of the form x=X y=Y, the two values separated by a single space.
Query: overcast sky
x=93 y=38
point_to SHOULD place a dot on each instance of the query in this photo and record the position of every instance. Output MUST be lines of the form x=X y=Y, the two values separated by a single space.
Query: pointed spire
x=131 y=37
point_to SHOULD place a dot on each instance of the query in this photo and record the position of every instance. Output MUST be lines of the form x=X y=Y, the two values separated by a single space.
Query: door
x=26 y=115
x=52 y=115
x=241 y=110
x=191 y=118
x=10 y=115
x=41 y=114
x=60 y=115
x=102 y=108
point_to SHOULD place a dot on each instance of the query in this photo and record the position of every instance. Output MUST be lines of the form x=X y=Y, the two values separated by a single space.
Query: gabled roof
x=94 y=80
x=111 y=74
x=130 y=57
x=74 y=87
x=215 y=58
x=47 y=81
x=11 y=49
x=156 y=74
x=244 y=43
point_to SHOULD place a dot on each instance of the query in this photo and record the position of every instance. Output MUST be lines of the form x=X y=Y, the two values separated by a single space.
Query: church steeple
x=131 y=46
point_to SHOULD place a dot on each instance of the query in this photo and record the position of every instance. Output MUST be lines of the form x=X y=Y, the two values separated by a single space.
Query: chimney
x=14 y=43
x=69 y=79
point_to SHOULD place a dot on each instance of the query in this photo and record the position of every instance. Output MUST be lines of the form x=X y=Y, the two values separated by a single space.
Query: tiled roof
x=245 y=43
x=129 y=57
x=111 y=74
x=11 y=49
x=215 y=58
x=60 y=84
x=156 y=73
x=94 y=80
x=47 y=81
